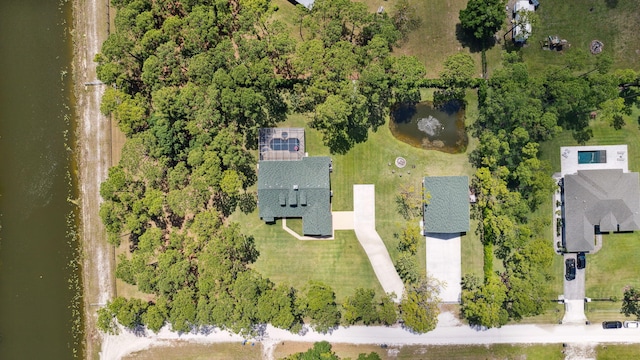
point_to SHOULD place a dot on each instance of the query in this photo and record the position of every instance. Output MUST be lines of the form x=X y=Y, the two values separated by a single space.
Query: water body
x=424 y=126
x=39 y=303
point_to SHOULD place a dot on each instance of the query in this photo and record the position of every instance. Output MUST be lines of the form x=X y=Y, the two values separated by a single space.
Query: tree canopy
x=190 y=84
x=483 y=18
x=419 y=307
x=517 y=111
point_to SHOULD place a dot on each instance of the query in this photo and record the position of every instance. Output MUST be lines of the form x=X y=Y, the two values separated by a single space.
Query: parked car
x=631 y=324
x=611 y=324
x=582 y=261
x=570 y=269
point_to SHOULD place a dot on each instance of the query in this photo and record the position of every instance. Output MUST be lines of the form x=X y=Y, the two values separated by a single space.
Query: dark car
x=611 y=324
x=570 y=266
x=582 y=261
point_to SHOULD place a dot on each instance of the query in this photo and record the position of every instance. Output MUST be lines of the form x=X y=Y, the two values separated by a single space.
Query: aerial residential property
x=221 y=224
x=446 y=204
x=445 y=219
x=600 y=194
x=291 y=185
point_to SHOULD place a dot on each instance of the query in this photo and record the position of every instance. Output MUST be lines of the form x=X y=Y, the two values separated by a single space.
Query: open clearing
x=614 y=22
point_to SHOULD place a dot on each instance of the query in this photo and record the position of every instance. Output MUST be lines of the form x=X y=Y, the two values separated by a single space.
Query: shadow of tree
x=469 y=41
x=611 y=4
x=403 y=113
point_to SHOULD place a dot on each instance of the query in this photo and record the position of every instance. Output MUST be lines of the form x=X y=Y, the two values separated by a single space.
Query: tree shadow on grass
x=469 y=41
x=611 y=4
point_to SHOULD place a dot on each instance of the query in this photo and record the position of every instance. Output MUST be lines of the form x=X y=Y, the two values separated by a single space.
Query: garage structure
x=445 y=219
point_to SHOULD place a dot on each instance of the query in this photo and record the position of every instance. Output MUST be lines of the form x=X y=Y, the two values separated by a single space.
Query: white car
x=631 y=324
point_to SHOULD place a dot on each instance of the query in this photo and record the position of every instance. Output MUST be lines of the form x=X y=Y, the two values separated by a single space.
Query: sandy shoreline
x=93 y=149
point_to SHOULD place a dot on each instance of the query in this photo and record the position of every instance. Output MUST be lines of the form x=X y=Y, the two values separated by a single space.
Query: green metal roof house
x=297 y=189
x=446 y=204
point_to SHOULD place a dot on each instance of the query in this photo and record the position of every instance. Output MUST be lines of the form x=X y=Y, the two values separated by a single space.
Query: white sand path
x=448 y=332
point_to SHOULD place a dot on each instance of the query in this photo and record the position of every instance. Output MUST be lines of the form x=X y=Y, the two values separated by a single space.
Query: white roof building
x=521 y=31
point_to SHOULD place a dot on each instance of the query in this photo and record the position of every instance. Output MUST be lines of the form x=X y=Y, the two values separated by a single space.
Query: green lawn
x=179 y=350
x=436 y=37
x=295 y=224
x=617 y=351
x=615 y=266
x=580 y=22
x=481 y=352
x=463 y=352
x=342 y=262
x=603 y=134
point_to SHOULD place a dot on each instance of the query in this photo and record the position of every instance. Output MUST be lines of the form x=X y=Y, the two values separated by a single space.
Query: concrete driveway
x=574 y=293
x=444 y=262
x=364 y=221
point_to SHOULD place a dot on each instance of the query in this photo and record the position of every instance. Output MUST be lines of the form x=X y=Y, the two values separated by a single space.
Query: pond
x=424 y=126
x=40 y=290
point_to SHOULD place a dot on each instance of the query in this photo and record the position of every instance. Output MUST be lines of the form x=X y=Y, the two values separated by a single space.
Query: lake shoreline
x=93 y=155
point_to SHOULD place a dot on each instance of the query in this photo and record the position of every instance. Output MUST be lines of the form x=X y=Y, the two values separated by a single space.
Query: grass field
x=615 y=266
x=432 y=42
x=580 y=22
x=191 y=351
x=549 y=352
x=247 y=352
x=437 y=37
x=618 y=351
x=340 y=263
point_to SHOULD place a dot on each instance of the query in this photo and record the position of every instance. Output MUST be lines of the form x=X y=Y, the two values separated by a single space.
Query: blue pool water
x=592 y=157
x=292 y=144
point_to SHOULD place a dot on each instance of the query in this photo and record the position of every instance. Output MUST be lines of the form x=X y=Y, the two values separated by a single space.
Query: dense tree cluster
x=631 y=302
x=347 y=77
x=517 y=112
x=419 y=308
x=190 y=83
x=323 y=350
x=362 y=307
x=482 y=18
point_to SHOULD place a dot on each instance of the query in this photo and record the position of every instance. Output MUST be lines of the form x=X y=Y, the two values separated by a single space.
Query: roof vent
x=295 y=187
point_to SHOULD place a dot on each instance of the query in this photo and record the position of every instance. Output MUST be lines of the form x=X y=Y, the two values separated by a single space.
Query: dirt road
x=94 y=158
x=448 y=332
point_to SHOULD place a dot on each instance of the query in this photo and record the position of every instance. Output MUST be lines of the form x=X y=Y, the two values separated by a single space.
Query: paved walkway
x=364 y=207
x=342 y=220
x=574 y=312
x=444 y=262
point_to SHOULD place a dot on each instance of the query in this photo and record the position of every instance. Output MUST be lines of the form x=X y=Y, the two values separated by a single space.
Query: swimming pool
x=291 y=144
x=592 y=157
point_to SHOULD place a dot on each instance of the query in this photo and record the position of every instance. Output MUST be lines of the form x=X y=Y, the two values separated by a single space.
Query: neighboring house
x=599 y=201
x=306 y=3
x=522 y=30
x=291 y=185
x=599 y=194
x=446 y=204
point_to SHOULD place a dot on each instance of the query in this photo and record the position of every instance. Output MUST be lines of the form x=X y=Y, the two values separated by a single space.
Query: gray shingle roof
x=609 y=199
x=448 y=208
x=293 y=189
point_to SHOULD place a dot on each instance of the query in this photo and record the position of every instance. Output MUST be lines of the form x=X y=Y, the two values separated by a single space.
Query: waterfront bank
x=91 y=27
